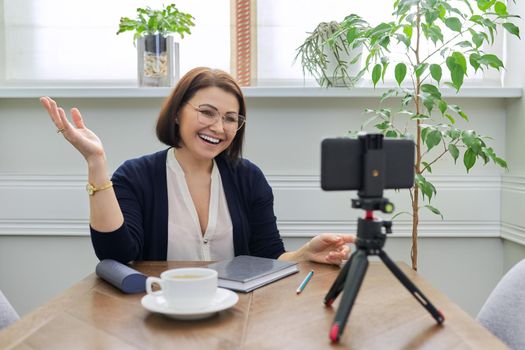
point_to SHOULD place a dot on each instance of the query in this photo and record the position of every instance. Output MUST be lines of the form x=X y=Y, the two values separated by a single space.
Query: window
x=63 y=40
x=76 y=40
x=282 y=28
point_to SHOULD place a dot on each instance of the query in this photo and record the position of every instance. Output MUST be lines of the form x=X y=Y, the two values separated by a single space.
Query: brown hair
x=168 y=131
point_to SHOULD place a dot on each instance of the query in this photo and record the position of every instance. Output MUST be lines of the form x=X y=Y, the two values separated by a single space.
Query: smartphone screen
x=342 y=164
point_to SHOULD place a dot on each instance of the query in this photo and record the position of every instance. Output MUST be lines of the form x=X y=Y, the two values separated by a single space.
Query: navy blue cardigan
x=141 y=188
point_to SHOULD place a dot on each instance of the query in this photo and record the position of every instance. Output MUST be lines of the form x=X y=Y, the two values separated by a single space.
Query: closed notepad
x=245 y=273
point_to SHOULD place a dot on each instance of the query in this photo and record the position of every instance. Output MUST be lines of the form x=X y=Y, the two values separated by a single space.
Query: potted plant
x=326 y=54
x=157 y=54
x=457 y=32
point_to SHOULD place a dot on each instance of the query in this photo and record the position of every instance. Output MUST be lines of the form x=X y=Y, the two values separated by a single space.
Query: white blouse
x=185 y=239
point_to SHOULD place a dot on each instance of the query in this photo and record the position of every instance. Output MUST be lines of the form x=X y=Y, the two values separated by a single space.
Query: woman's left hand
x=329 y=248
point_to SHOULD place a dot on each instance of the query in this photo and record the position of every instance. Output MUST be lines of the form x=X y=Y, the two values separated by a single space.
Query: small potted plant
x=157 y=54
x=327 y=55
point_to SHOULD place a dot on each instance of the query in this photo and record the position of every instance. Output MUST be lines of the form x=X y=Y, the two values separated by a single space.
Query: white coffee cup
x=185 y=288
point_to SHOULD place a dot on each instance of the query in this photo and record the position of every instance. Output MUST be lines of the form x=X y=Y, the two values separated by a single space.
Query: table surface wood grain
x=94 y=315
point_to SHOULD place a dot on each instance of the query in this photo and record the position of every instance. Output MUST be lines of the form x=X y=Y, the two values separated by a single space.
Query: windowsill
x=129 y=90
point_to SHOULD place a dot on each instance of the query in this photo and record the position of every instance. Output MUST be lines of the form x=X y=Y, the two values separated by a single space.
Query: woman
x=198 y=199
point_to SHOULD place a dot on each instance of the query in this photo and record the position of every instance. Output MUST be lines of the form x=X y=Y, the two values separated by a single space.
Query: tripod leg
x=337 y=286
x=438 y=316
x=356 y=274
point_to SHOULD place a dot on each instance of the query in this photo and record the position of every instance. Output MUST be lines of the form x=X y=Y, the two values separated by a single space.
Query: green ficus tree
x=458 y=33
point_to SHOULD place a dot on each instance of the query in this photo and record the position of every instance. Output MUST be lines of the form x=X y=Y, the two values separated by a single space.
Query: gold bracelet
x=92 y=189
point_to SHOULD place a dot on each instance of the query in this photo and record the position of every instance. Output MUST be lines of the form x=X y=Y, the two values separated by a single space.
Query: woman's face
x=203 y=138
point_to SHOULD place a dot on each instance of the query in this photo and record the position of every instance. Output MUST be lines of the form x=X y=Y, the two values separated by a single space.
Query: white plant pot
x=336 y=76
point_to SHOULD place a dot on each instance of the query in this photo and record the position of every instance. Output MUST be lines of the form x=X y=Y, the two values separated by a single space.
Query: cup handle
x=149 y=283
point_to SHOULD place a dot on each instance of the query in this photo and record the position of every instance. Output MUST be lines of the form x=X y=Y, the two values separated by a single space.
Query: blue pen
x=305 y=282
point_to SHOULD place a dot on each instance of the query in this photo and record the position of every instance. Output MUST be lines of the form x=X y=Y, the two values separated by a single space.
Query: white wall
x=513 y=193
x=2 y=41
x=43 y=206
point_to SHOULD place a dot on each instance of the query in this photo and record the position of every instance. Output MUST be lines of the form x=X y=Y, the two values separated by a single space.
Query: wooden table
x=94 y=315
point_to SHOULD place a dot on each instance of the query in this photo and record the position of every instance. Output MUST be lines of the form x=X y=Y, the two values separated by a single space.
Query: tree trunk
x=415 y=199
x=415 y=222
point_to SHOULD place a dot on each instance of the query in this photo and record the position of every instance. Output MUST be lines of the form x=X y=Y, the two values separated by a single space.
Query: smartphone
x=342 y=163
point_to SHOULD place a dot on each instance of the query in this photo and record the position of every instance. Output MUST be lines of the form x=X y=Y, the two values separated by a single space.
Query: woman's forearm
x=105 y=213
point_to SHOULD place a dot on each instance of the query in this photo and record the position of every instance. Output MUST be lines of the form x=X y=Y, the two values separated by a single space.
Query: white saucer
x=222 y=300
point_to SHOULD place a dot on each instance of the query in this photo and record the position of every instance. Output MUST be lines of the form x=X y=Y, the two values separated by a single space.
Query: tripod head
x=370 y=235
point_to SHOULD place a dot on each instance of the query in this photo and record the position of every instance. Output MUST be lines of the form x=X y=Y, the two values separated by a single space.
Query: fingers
x=338 y=239
x=51 y=108
x=59 y=117
x=77 y=118
x=337 y=256
x=66 y=126
x=348 y=238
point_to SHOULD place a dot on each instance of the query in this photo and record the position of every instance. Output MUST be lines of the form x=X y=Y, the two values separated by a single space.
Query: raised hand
x=83 y=139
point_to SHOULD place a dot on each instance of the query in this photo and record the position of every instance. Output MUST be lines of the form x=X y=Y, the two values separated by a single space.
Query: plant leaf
x=407 y=29
x=477 y=38
x=431 y=90
x=484 y=5
x=435 y=72
x=512 y=29
x=457 y=74
x=433 y=139
x=474 y=60
x=469 y=159
x=468 y=137
x=501 y=162
x=400 y=72
x=428 y=102
x=454 y=151
x=453 y=23
x=400 y=213
x=420 y=69
x=442 y=105
x=434 y=210
x=500 y=8
x=351 y=35
x=384 y=63
x=376 y=74
x=460 y=59
x=491 y=60
x=427 y=166
x=450 y=118
x=388 y=94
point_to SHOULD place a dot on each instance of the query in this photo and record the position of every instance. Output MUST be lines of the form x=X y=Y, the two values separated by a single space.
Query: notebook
x=245 y=273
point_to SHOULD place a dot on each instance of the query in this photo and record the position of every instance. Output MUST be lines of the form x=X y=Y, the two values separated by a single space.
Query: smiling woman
x=196 y=200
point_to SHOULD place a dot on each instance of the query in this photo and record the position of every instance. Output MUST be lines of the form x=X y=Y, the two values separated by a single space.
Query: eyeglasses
x=209 y=115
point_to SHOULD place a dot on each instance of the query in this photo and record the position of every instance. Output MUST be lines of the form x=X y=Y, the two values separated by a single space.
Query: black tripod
x=370 y=241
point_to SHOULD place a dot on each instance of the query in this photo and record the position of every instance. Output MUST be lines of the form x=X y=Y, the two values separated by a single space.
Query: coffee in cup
x=185 y=288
